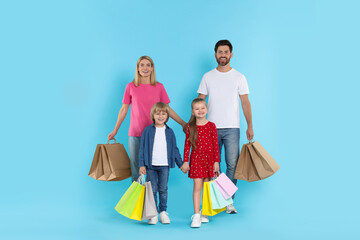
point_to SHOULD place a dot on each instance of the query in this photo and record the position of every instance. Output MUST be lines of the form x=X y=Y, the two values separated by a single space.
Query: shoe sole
x=195 y=226
x=231 y=212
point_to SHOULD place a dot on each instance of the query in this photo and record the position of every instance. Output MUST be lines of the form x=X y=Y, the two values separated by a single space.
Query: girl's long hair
x=136 y=80
x=193 y=134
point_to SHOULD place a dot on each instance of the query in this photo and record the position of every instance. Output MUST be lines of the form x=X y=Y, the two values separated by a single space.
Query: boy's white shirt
x=159 y=154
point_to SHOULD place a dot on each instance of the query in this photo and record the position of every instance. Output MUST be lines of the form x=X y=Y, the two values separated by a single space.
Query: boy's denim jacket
x=147 y=144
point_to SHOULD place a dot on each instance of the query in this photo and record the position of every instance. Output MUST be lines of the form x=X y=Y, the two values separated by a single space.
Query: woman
x=143 y=92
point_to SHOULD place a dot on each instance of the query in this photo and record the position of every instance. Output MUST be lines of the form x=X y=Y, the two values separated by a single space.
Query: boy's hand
x=216 y=167
x=185 y=167
x=142 y=170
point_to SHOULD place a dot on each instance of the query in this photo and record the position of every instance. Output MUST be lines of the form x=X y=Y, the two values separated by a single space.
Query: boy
x=158 y=153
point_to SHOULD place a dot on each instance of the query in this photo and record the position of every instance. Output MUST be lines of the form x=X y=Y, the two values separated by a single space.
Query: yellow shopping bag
x=206 y=202
x=137 y=213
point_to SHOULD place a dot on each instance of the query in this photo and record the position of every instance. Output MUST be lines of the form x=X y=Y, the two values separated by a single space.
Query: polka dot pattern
x=207 y=152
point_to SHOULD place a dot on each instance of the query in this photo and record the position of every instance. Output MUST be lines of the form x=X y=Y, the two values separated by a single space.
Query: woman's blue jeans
x=134 y=148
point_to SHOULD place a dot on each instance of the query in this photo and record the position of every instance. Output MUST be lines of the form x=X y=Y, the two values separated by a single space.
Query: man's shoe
x=153 y=220
x=230 y=209
x=196 y=220
x=164 y=218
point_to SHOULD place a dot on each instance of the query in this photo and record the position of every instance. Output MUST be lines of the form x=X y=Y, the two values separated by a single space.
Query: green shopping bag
x=131 y=200
x=217 y=199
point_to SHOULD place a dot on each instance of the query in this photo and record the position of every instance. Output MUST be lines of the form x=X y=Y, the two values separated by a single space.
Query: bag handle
x=141 y=179
x=108 y=142
x=216 y=175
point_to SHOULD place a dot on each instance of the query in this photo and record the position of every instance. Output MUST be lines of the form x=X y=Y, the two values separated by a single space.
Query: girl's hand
x=185 y=167
x=112 y=135
x=216 y=167
x=142 y=170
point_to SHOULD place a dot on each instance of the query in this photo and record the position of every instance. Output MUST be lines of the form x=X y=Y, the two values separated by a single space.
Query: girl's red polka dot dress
x=207 y=152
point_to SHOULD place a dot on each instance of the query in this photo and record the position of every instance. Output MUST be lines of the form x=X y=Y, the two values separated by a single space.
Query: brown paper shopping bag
x=245 y=168
x=110 y=163
x=96 y=169
x=255 y=163
x=264 y=163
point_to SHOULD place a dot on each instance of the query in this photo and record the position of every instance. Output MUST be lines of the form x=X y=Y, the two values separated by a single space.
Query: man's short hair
x=223 y=43
x=162 y=107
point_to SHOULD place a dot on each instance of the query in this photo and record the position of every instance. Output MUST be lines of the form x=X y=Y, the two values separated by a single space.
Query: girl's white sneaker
x=204 y=218
x=196 y=220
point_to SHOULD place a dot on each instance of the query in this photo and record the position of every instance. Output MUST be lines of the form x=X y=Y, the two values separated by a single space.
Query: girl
x=142 y=93
x=201 y=137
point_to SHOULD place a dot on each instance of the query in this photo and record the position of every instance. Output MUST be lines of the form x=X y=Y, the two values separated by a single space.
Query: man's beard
x=224 y=63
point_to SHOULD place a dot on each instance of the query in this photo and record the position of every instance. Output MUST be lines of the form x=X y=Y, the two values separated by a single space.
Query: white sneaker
x=164 y=218
x=204 y=218
x=230 y=209
x=153 y=220
x=196 y=220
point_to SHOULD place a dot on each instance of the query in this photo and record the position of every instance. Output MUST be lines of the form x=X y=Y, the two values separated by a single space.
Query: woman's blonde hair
x=160 y=107
x=136 y=80
x=193 y=134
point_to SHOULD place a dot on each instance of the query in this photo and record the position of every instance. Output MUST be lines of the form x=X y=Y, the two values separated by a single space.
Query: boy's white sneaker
x=164 y=218
x=230 y=209
x=204 y=218
x=153 y=220
x=196 y=220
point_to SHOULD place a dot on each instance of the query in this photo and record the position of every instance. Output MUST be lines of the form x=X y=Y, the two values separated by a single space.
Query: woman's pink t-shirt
x=142 y=98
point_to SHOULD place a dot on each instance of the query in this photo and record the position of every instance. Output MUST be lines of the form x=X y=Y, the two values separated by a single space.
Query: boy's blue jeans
x=229 y=137
x=159 y=176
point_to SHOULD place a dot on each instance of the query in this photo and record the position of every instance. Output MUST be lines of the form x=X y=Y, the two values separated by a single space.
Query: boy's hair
x=223 y=43
x=162 y=107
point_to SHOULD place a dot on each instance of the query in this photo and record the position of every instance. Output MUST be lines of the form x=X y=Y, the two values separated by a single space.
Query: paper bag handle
x=110 y=140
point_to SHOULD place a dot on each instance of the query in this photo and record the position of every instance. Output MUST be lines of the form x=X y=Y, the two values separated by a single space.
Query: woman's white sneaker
x=196 y=220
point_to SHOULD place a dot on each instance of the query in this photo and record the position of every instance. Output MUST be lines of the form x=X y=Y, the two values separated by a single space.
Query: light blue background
x=63 y=69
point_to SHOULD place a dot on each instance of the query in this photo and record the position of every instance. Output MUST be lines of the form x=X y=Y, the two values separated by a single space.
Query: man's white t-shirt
x=223 y=90
x=159 y=155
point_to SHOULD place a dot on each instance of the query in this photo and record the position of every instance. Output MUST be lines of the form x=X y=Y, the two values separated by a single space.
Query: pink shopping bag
x=226 y=186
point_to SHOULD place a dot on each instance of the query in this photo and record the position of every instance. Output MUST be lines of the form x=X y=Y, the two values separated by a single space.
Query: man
x=224 y=85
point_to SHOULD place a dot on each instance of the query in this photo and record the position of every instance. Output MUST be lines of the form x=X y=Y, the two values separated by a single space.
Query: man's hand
x=250 y=133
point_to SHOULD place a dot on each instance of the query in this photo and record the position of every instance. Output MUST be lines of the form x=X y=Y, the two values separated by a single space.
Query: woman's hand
x=142 y=170
x=112 y=135
x=184 y=126
x=216 y=167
